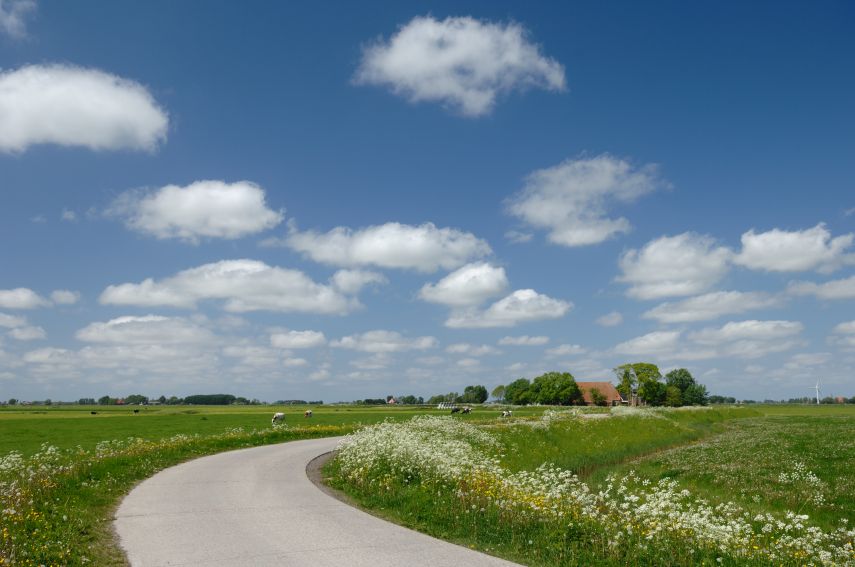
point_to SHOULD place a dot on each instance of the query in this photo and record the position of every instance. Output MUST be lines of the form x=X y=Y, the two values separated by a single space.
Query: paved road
x=257 y=507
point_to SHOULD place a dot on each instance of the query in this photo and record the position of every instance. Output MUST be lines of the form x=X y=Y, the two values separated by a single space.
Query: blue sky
x=331 y=201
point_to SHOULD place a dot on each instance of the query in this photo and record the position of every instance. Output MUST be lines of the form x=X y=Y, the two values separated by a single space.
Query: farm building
x=610 y=394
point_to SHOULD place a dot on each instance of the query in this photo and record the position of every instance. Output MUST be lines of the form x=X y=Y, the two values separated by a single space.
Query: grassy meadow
x=63 y=470
x=756 y=485
x=477 y=479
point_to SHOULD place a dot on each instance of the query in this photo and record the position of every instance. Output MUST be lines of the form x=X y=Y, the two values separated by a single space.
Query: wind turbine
x=817 y=392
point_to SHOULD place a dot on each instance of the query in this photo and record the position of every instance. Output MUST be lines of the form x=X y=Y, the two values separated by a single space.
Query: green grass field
x=25 y=428
x=735 y=472
x=63 y=499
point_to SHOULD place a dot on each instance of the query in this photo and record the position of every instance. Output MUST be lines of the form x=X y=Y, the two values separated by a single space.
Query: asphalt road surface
x=257 y=507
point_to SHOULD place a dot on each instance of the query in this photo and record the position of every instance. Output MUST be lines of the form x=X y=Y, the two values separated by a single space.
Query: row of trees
x=644 y=380
x=552 y=388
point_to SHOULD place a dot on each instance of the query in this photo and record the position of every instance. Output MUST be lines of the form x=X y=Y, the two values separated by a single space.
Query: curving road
x=257 y=507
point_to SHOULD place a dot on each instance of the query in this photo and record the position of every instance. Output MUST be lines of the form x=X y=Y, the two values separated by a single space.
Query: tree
x=498 y=393
x=652 y=392
x=680 y=378
x=474 y=395
x=105 y=400
x=555 y=388
x=627 y=382
x=136 y=399
x=438 y=399
x=517 y=392
x=647 y=380
x=12 y=402
x=597 y=397
x=673 y=396
x=696 y=395
x=86 y=401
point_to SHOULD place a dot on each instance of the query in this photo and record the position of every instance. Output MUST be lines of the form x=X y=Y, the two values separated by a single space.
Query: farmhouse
x=611 y=396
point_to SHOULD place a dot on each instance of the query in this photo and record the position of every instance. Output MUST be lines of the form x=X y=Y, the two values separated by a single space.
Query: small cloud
x=65 y=297
x=612 y=319
x=68 y=216
x=517 y=237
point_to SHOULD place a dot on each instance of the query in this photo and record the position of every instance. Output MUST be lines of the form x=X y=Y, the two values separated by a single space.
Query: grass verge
x=56 y=506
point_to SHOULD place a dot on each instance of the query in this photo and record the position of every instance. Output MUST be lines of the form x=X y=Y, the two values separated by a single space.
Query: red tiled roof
x=605 y=388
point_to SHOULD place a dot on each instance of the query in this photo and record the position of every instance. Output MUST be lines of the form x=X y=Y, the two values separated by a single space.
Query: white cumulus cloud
x=524 y=340
x=145 y=330
x=381 y=341
x=298 y=339
x=469 y=285
x=203 y=209
x=794 y=251
x=463 y=63
x=711 y=306
x=685 y=264
x=523 y=305
x=424 y=248
x=572 y=199
x=21 y=298
x=835 y=289
x=73 y=106
x=12 y=321
x=244 y=285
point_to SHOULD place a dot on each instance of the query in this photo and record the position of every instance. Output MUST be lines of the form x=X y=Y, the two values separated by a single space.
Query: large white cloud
x=748 y=330
x=463 y=63
x=835 y=289
x=523 y=305
x=244 y=285
x=297 y=339
x=470 y=285
x=147 y=329
x=572 y=199
x=685 y=264
x=736 y=339
x=711 y=306
x=794 y=251
x=21 y=298
x=203 y=209
x=381 y=341
x=72 y=106
x=12 y=16
x=749 y=339
x=425 y=248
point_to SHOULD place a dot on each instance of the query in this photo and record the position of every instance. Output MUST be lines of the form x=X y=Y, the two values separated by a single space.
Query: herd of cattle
x=279 y=416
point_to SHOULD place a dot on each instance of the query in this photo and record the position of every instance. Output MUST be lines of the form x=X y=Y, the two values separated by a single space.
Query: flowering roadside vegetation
x=55 y=504
x=462 y=482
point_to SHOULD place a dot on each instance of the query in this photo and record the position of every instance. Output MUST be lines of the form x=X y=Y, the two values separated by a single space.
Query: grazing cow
x=467 y=409
x=136 y=411
x=308 y=413
x=277 y=417
x=506 y=413
x=455 y=410
x=94 y=412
